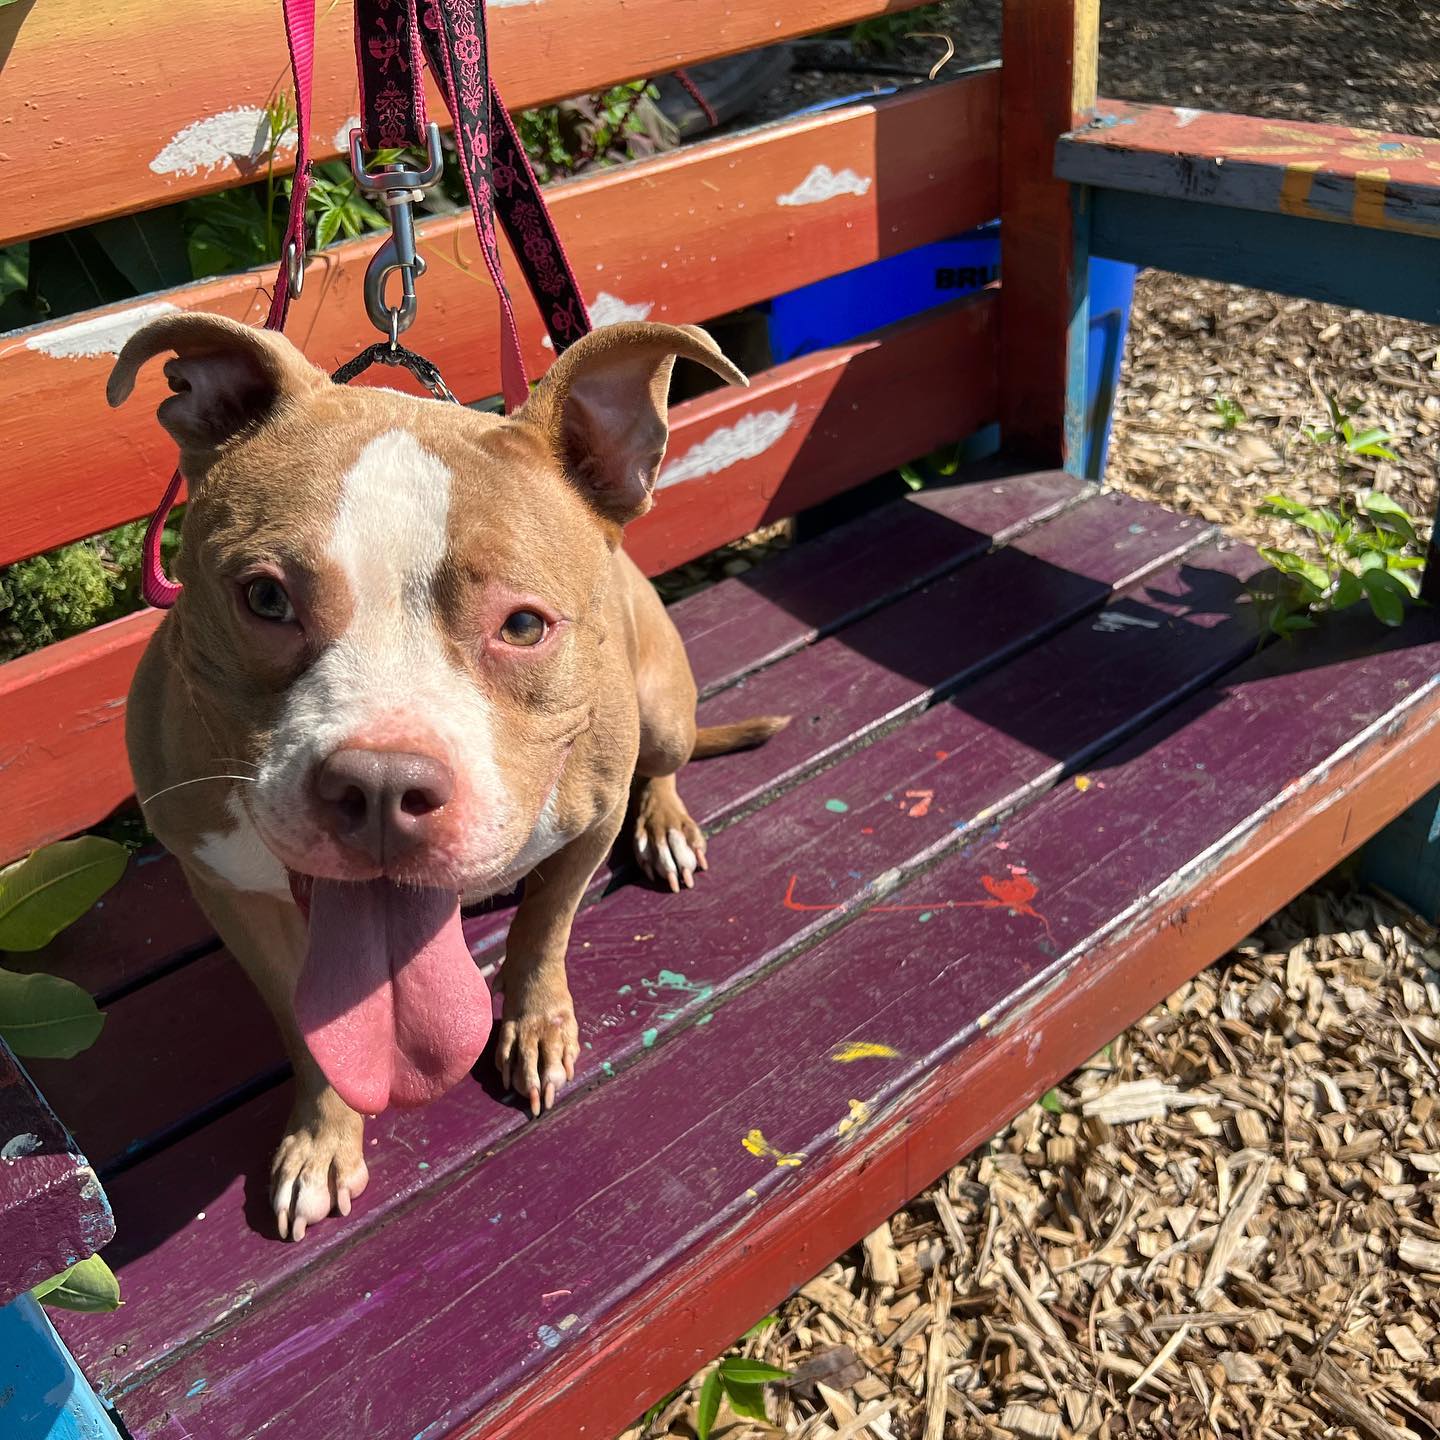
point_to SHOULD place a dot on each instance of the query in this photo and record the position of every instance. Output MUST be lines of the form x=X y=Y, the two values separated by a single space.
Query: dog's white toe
x=312 y=1177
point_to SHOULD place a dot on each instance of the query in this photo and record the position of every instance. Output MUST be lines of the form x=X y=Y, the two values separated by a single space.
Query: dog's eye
x=266 y=598
x=524 y=627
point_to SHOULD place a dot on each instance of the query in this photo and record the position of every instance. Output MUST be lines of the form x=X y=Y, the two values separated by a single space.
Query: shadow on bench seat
x=1038 y=774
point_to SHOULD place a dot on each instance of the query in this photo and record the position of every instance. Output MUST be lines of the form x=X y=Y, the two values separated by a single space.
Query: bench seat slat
x=685 y=236
x=850 y=683
x=179 y=136
x=620 y=942
x=62 y=709
x=466 y=1300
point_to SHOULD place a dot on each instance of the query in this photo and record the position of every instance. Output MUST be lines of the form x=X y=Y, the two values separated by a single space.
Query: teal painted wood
x=1077 y=346
x=1379 y=270
x=43 y=1395
x=1404 y=858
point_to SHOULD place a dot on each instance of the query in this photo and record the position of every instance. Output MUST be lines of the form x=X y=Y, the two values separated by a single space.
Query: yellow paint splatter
x=859 y=1114
x=753 y=1194
x=864 y=1050
x=1083 y=783
x=756 y=1143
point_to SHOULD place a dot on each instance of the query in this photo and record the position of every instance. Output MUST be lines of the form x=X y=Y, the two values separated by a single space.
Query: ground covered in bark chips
x=1228 y=1223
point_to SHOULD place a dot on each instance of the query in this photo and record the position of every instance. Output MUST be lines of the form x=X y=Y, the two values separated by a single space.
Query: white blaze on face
x=387 y=681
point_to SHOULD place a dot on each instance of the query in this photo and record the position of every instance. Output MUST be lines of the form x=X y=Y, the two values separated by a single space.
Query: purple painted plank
x=867 y=676
x=140 y=926
x=52 y=1209
x=747 y=622
x=175 y=1046
x=676 y=1152
x=1182 y=626
x=872 y=673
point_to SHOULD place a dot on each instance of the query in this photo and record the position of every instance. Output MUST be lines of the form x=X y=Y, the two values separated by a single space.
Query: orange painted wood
x=1048 y=87
x=139 y=103
x=802 y=433
x=684 y=237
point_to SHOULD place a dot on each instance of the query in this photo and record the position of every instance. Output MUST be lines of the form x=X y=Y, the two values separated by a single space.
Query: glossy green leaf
x=1409 y=581
x=709 y=1406
x=1385 y=512
x=1387 y=595
x=1050 y=1101
x=1348 y=591
x=745 y=1400
x=326 y=228
x=1299 y=566
x=90 y=1286
x=761 y=1326
x=751 y=1372
x=1321 y=521
x=43 y=1017
x=53 y=887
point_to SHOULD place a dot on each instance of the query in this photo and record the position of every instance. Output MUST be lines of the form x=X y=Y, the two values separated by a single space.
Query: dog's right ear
x=226 y=376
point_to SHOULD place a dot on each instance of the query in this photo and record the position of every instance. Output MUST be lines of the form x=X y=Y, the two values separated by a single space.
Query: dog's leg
x=539 y=1041
x=319 y=1167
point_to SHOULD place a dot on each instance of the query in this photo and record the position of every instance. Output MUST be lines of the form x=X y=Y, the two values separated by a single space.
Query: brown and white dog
x=412 y=651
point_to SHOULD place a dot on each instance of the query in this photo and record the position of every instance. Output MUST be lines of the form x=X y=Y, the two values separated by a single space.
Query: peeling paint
x=822 y=184
x=342 y=135
x=756 y=1143
x=859 y=1114
x=101 y=335
x=1184 y=115
x=748 y=437
x=607 y=309
x=26 y=1143
x=239 y=134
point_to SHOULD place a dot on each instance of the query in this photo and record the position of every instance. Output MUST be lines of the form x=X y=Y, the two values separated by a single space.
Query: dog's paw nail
x=535 y=1103
x=550 y=1095
x=298 y=1233
x=342 y=1201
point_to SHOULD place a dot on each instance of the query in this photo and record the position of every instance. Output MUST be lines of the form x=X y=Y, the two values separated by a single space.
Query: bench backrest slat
x=682 y=237
x=139 y=103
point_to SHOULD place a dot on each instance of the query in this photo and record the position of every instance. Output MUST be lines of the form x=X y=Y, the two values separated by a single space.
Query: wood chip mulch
x=1227 y=1224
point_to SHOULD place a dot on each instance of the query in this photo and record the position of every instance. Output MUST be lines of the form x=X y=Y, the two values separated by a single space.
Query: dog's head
x=394 y=612
x=393 y=605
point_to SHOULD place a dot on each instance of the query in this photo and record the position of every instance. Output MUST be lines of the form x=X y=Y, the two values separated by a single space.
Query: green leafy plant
x=1363 y=548
x=1230 y=412
x=740 y=1381
x=45 y=1017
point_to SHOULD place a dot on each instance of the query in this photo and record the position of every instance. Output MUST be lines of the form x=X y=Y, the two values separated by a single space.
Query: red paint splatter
x=942 y=755
x=1014 y=894
x=922 y=799
x=867 y=829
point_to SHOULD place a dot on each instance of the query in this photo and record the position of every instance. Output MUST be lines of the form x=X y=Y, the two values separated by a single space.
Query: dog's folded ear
x=603 y=408
x=226 y=376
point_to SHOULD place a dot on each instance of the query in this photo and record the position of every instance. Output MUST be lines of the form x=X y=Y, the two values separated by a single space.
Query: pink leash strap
x=156 y=587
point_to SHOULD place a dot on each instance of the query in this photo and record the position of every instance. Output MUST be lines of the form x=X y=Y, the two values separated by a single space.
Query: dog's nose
x=383 y=803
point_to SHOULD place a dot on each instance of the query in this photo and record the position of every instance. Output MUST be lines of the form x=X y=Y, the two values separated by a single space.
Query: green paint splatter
x=624 y=989
x=836 y=807
x=675 y=980
x=607 y=1067
x=926 y=915
x=705 y=1019
x=648 y=1038
x=424 y=1164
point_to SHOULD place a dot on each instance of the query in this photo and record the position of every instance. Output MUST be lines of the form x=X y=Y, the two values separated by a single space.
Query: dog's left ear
x=603 y=409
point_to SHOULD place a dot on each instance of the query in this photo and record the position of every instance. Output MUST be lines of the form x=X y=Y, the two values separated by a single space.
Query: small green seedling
x=1228 y=411
x=45 y=1017
x=740 y=1381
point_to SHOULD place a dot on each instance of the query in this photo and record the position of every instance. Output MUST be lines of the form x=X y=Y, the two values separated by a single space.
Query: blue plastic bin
x=833 y=311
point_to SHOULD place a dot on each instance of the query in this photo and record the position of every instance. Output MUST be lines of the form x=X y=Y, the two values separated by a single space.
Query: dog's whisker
x=198 y=780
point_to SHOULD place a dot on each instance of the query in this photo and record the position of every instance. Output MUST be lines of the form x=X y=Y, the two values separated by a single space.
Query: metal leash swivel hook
x=398 y=187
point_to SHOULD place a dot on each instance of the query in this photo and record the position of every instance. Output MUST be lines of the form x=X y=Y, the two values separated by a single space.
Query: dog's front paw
x=669 y=845
x=537 y=1048
x=318 y=1169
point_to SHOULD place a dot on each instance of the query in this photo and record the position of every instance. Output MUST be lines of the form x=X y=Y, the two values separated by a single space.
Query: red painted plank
x=612 y=1212
x=635 y=934
x=1371 y=178
x=1047 y=87
x=52 y=1209
x=72 y=75
x=682 y=237
x=62 y=754
x=1054 y=573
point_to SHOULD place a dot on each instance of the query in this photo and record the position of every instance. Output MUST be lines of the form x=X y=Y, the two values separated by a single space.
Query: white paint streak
x=607 y=309
x=748 y=437
x=239 y=856
x=26 y=1143
x=1186 y=116
x=822 y=184
x=342 y=135
x=216 y=140
x=1114 y=622
x=102 y=335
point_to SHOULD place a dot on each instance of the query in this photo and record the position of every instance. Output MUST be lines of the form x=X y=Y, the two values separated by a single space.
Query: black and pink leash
x=391 y=36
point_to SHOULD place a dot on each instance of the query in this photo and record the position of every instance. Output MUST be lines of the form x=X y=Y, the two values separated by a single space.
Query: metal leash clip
x=398 y=187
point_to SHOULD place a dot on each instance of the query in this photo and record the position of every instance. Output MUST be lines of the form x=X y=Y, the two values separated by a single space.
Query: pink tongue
x=391 y=1003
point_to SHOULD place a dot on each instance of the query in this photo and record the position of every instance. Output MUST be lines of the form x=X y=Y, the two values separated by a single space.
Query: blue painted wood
x=43 y=1395
x=1404 y=858
x=1380 y=270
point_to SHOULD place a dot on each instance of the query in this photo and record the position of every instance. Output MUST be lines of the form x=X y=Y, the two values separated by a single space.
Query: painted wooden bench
x=1041 y=769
